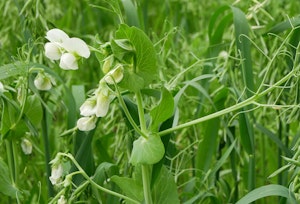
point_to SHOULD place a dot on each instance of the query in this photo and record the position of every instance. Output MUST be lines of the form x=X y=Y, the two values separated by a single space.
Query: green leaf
x=147 y=151
x=104 y=171
x=6 y=187
x=9 y=70
x=163 y=110
x=33 y=110
x=285 y=25
x=131 y=13
x=78 y=93
x=145 y=57
x=132 y=188
x=244 y=46
x=165 y=189
x=265 y=191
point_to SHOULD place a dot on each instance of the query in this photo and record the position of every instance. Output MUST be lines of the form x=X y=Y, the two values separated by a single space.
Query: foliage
x=156 y=102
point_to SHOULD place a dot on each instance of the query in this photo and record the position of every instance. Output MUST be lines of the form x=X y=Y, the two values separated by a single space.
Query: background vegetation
x=211 y=55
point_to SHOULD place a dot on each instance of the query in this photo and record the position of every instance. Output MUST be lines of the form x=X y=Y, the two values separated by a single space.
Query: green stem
x=141 y=111
x=128 y=115
x=235 y=107
x=93 y=182
x=10 y=159
x=145 y=168
x=47 y=151
x=146 y=183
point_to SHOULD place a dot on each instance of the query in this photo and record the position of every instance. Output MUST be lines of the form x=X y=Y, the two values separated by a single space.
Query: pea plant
x=66 y=129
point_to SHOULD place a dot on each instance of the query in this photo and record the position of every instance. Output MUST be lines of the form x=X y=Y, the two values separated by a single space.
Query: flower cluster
x=67 y=50
x=98 y=104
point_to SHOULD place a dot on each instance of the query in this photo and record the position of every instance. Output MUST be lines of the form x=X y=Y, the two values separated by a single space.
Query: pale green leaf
x=147 y=151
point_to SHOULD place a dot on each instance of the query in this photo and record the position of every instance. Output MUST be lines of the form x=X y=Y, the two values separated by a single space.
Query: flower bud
x=108 y=62
x=56 y=174
x=62 y=200
x=26 y=146
x=42 y=82
x=115 y=75
x=68 y=62
x=86 y=123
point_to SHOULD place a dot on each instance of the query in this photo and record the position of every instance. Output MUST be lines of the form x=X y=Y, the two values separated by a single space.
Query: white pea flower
x=86 y=123
x=115 y=75
x=67 y=50
x=88 y=108
x=2 y=87
x=62 y=200
x=68 y=62
x=43 y=81
x=104 y=97
x=26 y=146
x=76 y=47
x=56 y=174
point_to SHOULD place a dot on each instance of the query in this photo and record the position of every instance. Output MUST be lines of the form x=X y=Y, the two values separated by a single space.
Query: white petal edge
x=76 y=46
x=56 y=35
x=68 y=62
x=52 y=51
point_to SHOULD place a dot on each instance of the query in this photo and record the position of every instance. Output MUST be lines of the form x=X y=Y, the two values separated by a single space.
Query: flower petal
x=52 y=51
x=104 y=97
x=68 y=62
x=56 y=174
x=88 y=107
x=76 y=46
x=86 y=123
x=56 y=35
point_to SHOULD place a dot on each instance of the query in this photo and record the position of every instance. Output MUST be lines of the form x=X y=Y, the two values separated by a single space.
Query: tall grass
x=230 y=67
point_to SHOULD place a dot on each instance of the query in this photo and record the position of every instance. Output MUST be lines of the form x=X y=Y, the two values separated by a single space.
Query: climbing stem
x=146 y=183
x=235 y=107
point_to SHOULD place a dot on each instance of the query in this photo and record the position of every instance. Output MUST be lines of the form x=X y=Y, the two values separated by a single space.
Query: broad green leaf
x=6 y=187
x=33 y=110
x=268 y=190
x=147 y=151
x=9 y=121
x=104 y=171
x=131 y=187
x=165 y=189
x=145 y=57
x=163 y=110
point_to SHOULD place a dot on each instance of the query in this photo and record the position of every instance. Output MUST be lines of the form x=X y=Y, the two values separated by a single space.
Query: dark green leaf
x=6 y=187
x=145 y=56
x=163 y=110
x=165 y=189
